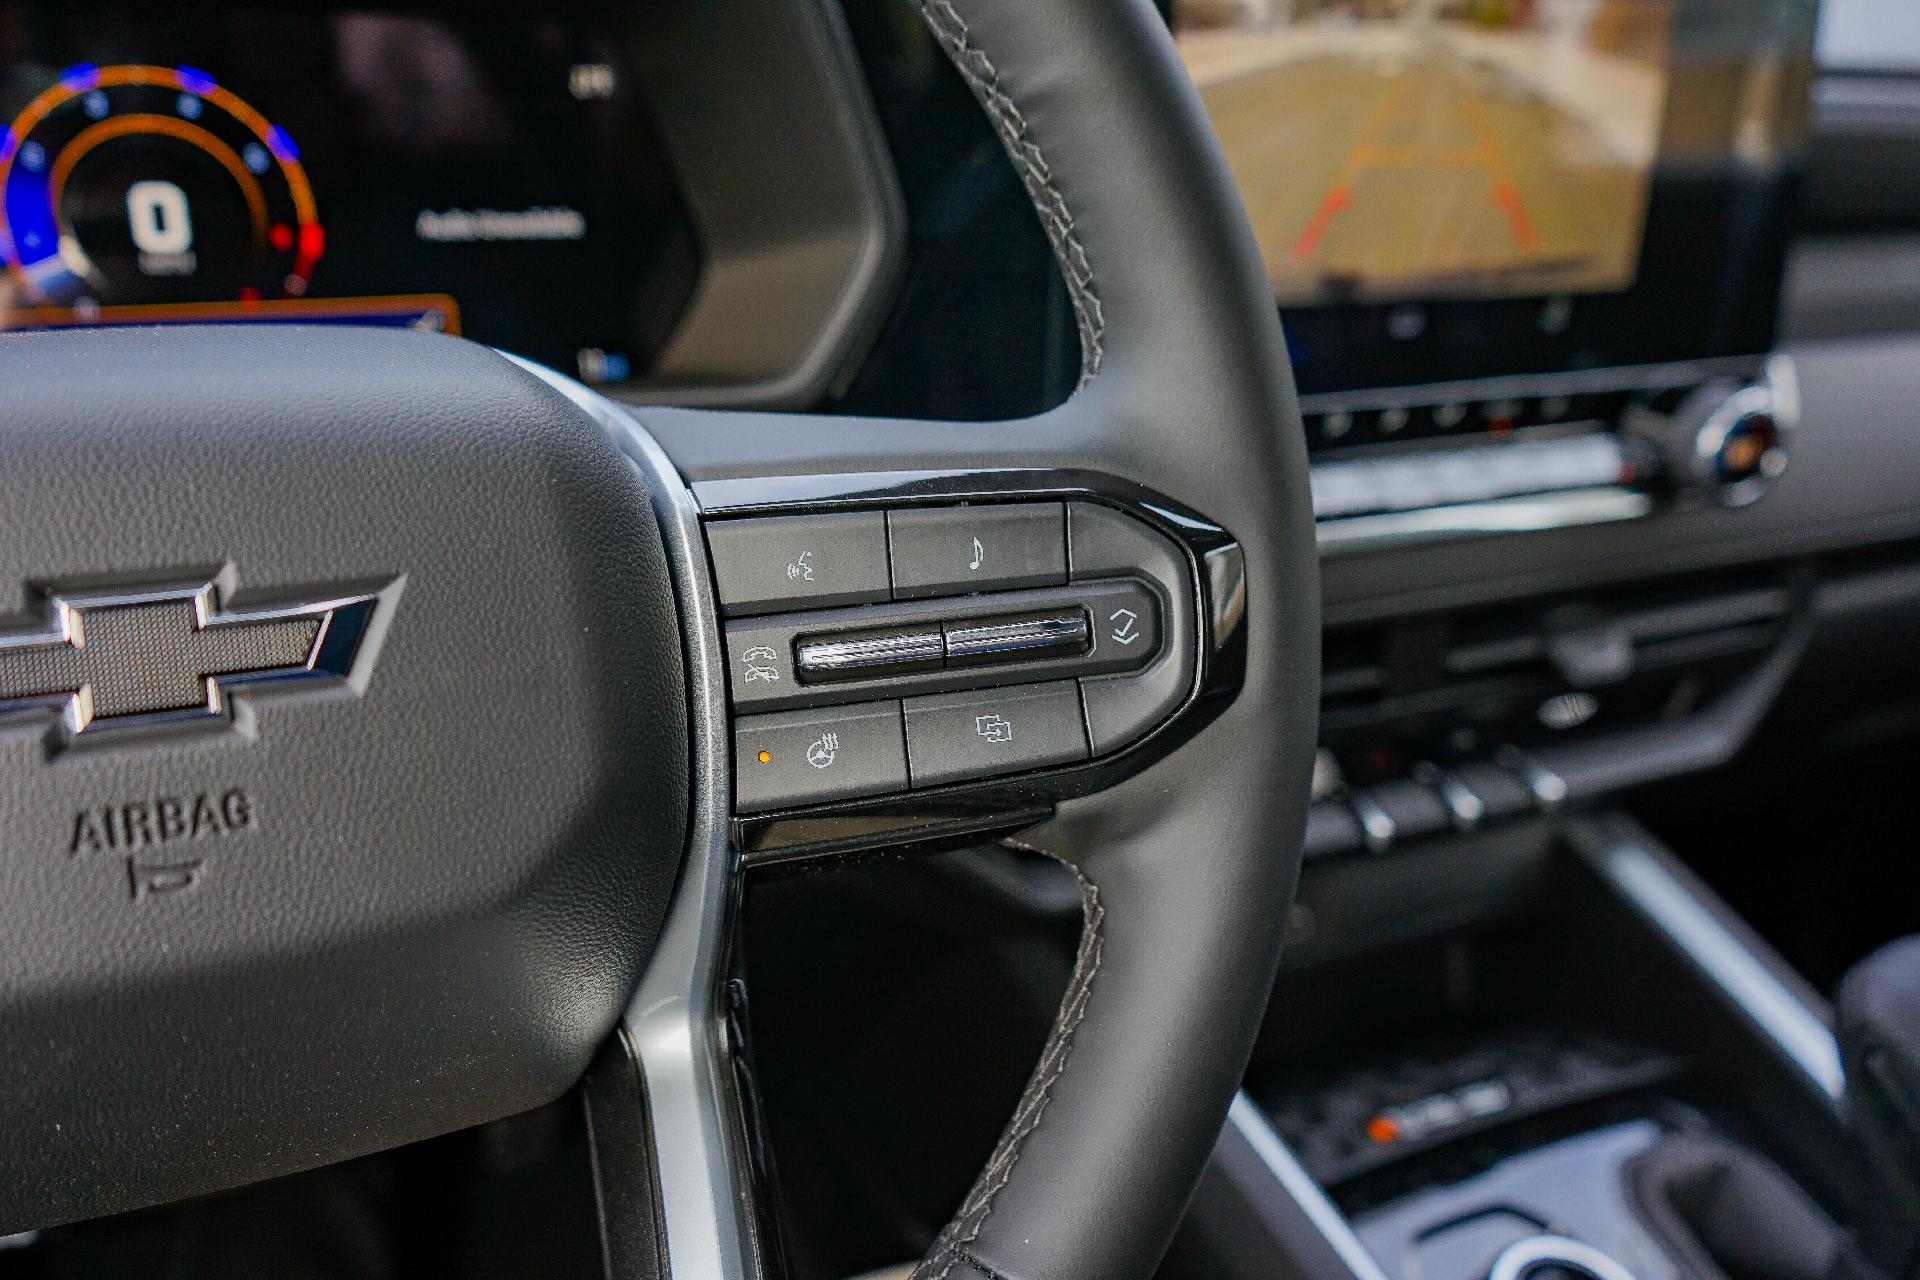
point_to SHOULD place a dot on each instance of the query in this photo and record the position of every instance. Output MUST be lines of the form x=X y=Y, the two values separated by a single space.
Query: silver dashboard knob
x=1728 y=439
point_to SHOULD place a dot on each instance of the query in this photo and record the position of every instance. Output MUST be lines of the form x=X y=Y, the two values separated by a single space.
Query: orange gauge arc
x=308 y=238
x=121 y=126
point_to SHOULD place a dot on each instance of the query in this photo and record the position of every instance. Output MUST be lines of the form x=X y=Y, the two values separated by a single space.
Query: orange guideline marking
x=1504 y=193
x=1507 y=196
x=1336 y=200
x=1367 y=152
x=1340 y=190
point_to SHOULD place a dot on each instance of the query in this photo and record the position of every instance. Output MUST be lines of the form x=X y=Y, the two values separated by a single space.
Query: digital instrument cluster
x=490 y=176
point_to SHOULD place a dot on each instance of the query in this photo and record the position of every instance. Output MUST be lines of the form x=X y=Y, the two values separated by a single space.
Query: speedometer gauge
x=137 y=185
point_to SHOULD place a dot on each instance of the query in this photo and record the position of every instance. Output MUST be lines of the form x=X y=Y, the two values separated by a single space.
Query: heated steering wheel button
x=799 y=562
x=953 y=550
x=952 y=737
x=806 y=757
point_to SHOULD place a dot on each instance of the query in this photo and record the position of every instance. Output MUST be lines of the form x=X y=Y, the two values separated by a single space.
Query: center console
x=1496 y=1092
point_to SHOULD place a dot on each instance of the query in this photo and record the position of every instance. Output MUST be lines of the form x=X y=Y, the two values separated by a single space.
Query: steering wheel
x=365 y=754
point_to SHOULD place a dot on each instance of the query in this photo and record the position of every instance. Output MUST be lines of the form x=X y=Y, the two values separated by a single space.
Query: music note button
x=950 y=550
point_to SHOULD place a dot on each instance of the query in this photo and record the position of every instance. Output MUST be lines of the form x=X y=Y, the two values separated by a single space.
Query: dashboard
x=493 y=175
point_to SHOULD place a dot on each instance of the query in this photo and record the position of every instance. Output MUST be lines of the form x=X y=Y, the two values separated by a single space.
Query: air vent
x=1353 y=666
x=1647 y=650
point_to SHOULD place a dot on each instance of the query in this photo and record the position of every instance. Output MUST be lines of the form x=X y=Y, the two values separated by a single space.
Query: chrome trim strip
x=875 y=655
x=1252 y=1125
x=1571 y=509
x=1226 y=591
x=1062 y=634
x=675 y=1017
x=1640 y=876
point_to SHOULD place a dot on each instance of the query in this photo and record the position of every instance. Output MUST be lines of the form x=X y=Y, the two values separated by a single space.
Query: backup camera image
x=1406 y=149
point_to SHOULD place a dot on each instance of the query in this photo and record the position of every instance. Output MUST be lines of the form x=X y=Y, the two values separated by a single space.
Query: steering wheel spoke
x=947 y=640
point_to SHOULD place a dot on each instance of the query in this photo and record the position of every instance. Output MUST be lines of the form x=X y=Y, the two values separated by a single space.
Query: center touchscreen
x=1399 y=150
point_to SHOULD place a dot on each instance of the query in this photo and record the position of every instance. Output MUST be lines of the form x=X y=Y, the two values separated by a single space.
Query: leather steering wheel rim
x=1187 y=871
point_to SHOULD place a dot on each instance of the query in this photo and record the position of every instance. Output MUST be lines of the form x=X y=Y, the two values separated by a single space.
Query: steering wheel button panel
x=808 y=757
x=940 y=551
x=954 y=737
x=989 y=676
x=800 y=562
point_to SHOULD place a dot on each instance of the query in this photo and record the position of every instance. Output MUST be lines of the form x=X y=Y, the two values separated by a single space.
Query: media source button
x=951 y=737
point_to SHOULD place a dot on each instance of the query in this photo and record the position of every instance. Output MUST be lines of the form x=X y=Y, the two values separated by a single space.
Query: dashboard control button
x=1377 y=827
x=1060 y=633
x=951 y=550
x=799 y=562
x=899 y=651
x=951 y=737
x=1126 y=625
x=1549 y=789
x=1416 y=810
x=806 y=757
x=1121 y=708
x=1503 y=794
x=1464 y=805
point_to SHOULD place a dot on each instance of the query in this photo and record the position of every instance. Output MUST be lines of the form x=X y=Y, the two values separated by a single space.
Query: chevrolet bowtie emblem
x=107 y=659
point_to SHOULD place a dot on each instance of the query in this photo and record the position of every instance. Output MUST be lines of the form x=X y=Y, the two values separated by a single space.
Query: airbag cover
x=404 y=893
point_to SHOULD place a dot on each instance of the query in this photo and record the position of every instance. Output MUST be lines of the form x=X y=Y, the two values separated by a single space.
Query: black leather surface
x=450 y=881
x=1190 y=865
x=1193 y=863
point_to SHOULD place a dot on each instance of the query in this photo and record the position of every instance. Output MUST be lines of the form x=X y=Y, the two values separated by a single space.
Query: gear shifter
x=1879 y=1029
